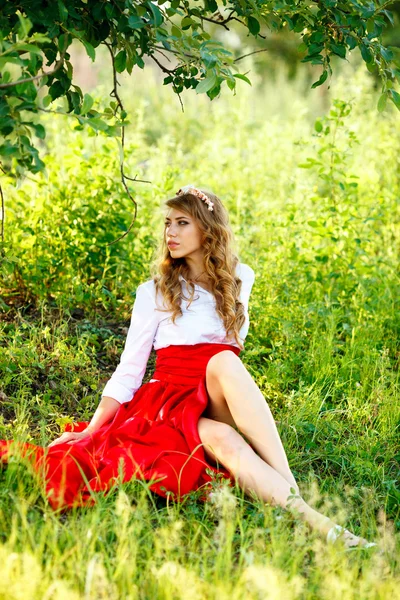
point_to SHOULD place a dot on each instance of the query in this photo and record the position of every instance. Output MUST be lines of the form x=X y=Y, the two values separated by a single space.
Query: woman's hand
x=104 y=413
x=69 y=437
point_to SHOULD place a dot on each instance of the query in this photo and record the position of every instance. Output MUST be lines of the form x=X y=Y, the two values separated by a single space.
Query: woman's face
x=183 y=230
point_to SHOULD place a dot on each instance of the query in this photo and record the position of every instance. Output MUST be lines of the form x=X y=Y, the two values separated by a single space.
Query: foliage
x=37 y=34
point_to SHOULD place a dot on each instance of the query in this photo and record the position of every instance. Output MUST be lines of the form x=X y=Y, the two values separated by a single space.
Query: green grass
x=323 y=346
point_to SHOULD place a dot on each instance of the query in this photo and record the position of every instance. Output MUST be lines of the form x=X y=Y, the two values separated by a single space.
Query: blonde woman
x=201 y=412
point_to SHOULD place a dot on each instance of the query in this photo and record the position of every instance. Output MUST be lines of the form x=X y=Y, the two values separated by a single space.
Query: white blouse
x=150 y=328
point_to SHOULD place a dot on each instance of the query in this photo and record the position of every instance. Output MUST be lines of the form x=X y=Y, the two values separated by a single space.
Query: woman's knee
x=220 y=437
x=223 y=361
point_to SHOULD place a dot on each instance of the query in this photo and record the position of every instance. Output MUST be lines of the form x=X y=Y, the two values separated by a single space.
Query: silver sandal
x=337 y=531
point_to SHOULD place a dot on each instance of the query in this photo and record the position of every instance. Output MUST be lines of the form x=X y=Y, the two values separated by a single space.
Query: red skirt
x=154 y=437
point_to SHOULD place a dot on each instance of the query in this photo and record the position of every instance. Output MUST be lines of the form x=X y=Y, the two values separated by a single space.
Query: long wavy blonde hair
x=220 y=261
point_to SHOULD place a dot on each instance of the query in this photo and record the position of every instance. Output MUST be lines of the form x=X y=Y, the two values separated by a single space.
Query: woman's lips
x=172 y=245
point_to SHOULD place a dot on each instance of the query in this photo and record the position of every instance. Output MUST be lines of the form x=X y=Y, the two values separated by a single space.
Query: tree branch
x=250 y=53
x=223 y=23
x=59 y=63
x=175 y=52
x=114 y=93
x=166 y=70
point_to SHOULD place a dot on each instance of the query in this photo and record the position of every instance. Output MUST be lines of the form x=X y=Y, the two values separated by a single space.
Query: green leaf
x=321 y=80
x=214 y=91
x=253 y=25
x=89 y=49
x=209 y=60
x=243 y=77
x=62 y=10
x=395 y=98
x=176 y=31
x=120 y=61
x=7 y=125
x=206 y=84
x=63 y=41
x=339 y=49
x=39 y=165
x=7 y=149
x=389 y=16
x=136 y=22
x=29 y=48
x=40 y=38
x=97 y=123
x=307 y=165
x=157 y=14
x=370 y=25
x=4 y=108
x=351 y=41
x=130 y=61
x=386 y=53
x=47 y=100
x=25 y=26
x=315 y=48
x=56 y=90
x=211 y=5
x=315 y=59
x=40 y=130
x=186 y=22
x=86 y=104
x=139 y=61
x=365 y=53
x=318 y=126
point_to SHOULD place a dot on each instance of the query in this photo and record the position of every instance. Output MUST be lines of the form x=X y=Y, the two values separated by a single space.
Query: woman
x=187 y=421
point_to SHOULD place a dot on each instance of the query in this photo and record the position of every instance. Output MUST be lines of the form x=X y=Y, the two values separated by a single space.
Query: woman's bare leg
x=235 y=395
x=255 y=475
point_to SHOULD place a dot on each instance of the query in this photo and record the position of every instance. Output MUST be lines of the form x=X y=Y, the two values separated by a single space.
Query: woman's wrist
x=104 y=413
x=90 y=428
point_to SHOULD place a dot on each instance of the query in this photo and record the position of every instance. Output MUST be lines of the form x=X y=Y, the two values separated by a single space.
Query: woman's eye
x=184 y=222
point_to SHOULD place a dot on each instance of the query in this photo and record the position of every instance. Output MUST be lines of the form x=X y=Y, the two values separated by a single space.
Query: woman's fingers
x=55 y=442
x=68 y=437
x=63 y=438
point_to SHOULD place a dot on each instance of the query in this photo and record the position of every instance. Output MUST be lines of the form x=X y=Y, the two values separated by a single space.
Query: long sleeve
x=128 y=376
x=248 y=277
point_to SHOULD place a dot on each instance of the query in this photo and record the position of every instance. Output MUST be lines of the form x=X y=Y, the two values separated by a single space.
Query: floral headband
x=196 y=192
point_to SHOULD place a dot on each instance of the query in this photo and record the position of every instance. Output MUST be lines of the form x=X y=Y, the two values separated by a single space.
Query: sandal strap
x=334 y=533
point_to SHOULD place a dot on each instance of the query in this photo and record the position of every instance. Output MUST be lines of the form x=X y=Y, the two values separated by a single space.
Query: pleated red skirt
x=154 y=437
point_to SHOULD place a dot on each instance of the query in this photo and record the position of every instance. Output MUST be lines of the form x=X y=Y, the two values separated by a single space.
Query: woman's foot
x=349 y=539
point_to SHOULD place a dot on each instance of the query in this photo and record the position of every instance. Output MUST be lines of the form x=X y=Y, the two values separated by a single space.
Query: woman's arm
x=128 y=376
x=104 y=412
x=247 y=276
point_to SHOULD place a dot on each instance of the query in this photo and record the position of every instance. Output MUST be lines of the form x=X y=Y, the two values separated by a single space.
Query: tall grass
x=311 y=182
